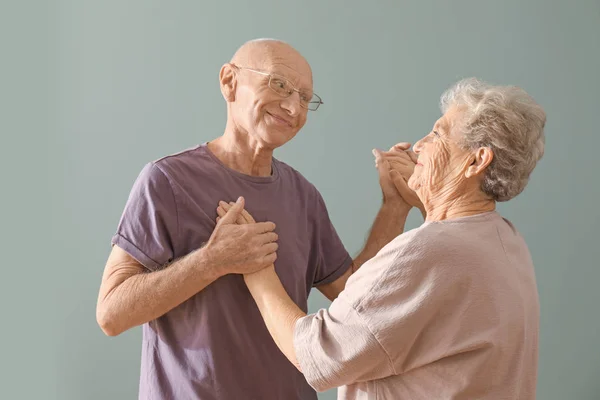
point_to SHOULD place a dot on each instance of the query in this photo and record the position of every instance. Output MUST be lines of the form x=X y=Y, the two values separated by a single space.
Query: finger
x=387 y=186
x=268 y=237
x=248 y=217
x=240 y=219
x=224 y=208
x=221 y=212
x=226 y=205
x=400 y=160
x=269 y=248
x=233 y=212
x=402 y=186
x=401 y=146
x=413 y=156
x=396 y=154
x=377 y=154
x=218 y=219
x=262 y=227
x=406 y=172
x=270 y=259
x=383 y=166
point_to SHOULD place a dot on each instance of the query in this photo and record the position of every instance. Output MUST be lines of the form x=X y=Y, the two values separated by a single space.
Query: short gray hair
x=507 y=120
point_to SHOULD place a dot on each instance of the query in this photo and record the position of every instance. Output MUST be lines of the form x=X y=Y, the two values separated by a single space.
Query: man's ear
x=228 y=82
x=482 y=157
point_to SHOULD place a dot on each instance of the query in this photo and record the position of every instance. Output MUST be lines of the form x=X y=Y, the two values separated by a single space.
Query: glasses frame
x=318 y=101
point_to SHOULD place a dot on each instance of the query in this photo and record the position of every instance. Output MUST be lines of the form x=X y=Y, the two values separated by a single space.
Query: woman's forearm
x=278 y=310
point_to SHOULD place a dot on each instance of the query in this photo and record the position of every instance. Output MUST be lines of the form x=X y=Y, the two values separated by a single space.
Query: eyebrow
x=439 y=126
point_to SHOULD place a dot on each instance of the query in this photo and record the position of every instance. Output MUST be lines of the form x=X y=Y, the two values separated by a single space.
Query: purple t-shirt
x=215 y=345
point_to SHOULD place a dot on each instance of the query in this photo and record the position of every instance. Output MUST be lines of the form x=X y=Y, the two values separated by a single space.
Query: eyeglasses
x=285 y=88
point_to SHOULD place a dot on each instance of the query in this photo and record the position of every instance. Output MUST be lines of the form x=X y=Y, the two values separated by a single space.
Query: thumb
x=381 y=163
x=401 y=146
x=379 y=160
x=234 y=212
x=413 y=156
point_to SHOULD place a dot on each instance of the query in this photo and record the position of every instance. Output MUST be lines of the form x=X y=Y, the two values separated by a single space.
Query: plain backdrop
x=92 y=90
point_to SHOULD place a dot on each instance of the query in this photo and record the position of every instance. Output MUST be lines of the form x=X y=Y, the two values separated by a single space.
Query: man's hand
x=241 y=249
x=278 y=310
x=395 y=169
x=243 y=218
x=396 y=159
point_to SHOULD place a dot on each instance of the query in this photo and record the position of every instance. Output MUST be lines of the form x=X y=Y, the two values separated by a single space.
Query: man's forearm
x=388 y=224
x=142 y=297
x=278 y=310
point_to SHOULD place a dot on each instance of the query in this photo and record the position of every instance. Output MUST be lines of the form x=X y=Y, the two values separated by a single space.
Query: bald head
x=268 y=53
x=268 y=87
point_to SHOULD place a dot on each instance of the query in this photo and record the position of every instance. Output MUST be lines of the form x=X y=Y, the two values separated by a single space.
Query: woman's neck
x=450 y=204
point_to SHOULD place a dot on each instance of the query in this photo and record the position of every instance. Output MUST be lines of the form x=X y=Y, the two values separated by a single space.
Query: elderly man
x=177 y=273
x=448 y=310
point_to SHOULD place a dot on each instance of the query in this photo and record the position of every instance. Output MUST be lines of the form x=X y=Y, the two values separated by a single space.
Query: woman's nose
x=418 y=146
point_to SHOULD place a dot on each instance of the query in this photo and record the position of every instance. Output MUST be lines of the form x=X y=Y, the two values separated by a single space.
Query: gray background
x=92 y=90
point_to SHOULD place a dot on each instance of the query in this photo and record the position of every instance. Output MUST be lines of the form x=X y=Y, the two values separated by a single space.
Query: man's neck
x=240 y=152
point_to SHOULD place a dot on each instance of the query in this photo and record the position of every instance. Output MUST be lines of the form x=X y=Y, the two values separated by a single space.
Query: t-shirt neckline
x=257 y=179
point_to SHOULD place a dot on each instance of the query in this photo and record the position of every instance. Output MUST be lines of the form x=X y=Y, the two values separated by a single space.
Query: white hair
x=508 y=121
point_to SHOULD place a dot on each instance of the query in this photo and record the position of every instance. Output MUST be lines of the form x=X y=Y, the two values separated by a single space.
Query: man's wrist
x=206 y=263
x=396 y=206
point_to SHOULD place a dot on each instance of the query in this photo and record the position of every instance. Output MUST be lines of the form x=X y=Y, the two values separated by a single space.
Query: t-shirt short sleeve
x=329 y=254
x=148 y=227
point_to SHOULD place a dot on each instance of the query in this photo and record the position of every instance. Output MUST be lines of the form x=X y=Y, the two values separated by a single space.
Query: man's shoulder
x=291 y=174
x=179 y=157
x=191 y=161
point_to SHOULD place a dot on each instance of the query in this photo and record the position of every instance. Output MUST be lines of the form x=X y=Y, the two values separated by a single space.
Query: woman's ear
x=482 y=157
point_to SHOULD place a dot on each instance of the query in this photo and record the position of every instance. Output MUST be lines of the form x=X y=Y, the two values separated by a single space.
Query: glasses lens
x=284 y=88
x=280 y=85
x=314 y=103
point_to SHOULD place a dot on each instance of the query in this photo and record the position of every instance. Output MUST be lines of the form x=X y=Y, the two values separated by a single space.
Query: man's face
x=264 y=114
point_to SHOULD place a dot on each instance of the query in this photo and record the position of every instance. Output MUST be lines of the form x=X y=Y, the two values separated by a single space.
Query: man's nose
x=292 y=104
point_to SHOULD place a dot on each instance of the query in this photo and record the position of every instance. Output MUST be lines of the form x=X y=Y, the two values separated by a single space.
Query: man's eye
x=279 y=84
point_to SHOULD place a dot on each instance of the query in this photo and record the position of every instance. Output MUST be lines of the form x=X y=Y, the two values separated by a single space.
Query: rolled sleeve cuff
x=135 y=252
x=339 y=271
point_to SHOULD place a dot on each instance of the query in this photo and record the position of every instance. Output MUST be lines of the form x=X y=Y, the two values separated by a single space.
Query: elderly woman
x=448 y=310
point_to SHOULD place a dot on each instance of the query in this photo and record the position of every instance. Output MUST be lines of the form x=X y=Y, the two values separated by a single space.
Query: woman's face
x=442 y=163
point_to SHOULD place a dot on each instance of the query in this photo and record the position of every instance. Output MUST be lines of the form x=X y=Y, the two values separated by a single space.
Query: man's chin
x=276 y=138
